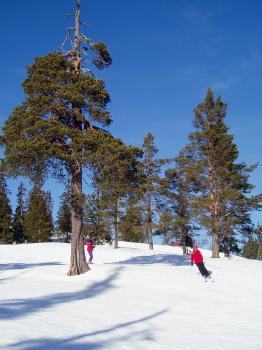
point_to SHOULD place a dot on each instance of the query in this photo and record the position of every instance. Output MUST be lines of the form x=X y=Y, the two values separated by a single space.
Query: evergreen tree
x=56 y=128
x=38 y=221
x=6 y=233
x=166 y=225
x=131 y=225
x=250 y=249
x=229 y=244
x=116 y=175
x=151 y=169
x=64 y=223
x=223 y=205
x=177 y=189
x=96 y=225
x=19 y=217
x=258 y=233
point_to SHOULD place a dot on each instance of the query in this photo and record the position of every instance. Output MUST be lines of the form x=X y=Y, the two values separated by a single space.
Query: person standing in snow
x=197 y=258
x=90 y=247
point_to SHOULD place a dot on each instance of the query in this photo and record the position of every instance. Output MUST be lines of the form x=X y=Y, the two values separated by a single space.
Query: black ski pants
x=202 y=269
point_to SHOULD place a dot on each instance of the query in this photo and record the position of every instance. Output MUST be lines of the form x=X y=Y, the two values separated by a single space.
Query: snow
x=132 y=298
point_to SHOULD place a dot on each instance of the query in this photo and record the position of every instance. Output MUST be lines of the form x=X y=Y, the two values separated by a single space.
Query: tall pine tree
x=150 y=187
x=57 y=126
x=224 y=204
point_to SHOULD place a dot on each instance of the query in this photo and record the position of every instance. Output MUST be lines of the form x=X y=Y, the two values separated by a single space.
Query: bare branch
x=87 y=71
x=70 y=29
x=86 y=40
x=85 y=24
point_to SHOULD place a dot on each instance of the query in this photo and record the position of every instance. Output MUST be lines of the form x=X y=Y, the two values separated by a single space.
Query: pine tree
x=38 y=221
x=64 y=223
x=6 y=233
x=166 y=225
x=19 y=217
x=116 y=174
x=177 y=189
x=223 y=205
x=56 y=128
x=258 y=233
x=96 y=225
x=229 y=244
x=131 y=224
x=250 y=249
x=151 y=170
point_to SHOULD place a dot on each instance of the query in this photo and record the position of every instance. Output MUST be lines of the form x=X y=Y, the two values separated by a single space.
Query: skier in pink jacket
x=90 y=247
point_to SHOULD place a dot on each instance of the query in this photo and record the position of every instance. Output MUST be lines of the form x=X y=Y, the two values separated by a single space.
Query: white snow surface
x=132 y=298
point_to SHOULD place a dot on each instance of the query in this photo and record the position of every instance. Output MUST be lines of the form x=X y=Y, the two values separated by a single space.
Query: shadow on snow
x=72 y=343
x=16 y=308
x=20 y=266
x=168 y=259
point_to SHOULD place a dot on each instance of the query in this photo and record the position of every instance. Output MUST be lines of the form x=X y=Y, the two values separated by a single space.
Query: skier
x=197 y=258
x=90 y=247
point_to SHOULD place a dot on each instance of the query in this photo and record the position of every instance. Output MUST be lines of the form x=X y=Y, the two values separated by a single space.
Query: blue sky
x=165 y=55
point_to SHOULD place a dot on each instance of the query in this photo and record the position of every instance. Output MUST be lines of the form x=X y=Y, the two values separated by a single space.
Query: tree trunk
x=149 y=223
x=116 y=226
x=259 y=250
x=213 y=210
x=215 y=246
x=78 y=260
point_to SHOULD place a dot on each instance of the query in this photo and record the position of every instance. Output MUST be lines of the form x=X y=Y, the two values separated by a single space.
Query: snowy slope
x=132 y=298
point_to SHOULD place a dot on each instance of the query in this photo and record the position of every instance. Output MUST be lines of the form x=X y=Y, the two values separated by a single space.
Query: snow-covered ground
x=132 y=298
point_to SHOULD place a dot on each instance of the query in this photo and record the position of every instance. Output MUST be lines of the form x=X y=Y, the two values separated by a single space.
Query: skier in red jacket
x=197 y=258
x=90 y=247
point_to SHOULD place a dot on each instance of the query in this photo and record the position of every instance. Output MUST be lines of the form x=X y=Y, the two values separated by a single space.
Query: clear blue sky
x=165 y=55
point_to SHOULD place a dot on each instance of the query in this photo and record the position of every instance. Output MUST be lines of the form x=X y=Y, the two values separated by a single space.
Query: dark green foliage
x=6 y=233
x=64 y=223
x=258 y=233
x=116 y=176
x=96 y=224
x=131 y=224
x=177 y=190
x=38 y=219
x=43 y=132
x=229 y=244
x=253 y=247
x=250 y=249
x=103 y=58
x=19 y=217
x=166 y=226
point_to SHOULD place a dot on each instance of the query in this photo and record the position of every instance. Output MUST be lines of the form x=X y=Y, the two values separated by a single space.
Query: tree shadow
x=72 y=343
x=20 y=266
x=12 y=277
x=17 y=308
x=167 y=259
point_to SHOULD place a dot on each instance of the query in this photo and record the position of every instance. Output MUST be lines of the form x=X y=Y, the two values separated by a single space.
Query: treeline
x=32 y=219
x=137 y=195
